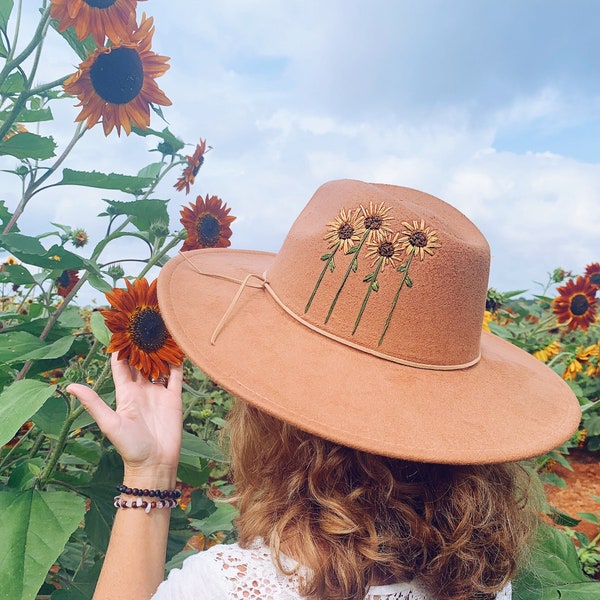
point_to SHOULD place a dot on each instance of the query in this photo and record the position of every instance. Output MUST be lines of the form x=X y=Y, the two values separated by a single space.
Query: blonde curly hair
x=356 y=519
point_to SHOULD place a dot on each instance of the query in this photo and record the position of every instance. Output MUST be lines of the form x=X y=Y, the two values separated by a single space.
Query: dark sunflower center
x=118 y=75
x=386 y=249
x=418 y=239
x=345 y=231
x=197 y=166
x=373 y=222
x=100 y=3
x=579 y=304
x=209 y=230
x=595 y=278
x=147 y=329
x=63 y=279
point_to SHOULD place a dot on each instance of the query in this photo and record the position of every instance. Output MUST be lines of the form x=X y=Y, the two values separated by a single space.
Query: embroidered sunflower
x=98 y=18
x=117 y=84
x=207 y=223
x=418 y=239
x=377 y=219
x=194 y=163
x=345 y=231
x=139 y=332
x=385 y=251
x=576 y=304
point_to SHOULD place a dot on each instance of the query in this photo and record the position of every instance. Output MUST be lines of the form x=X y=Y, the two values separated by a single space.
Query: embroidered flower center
x=208 y=229
x=418 y=239
x=100 y=3
x=118 y=75
x=386 y=249
x=147 y=329
x=373 y=222
x=345 y=231
x=579 y=304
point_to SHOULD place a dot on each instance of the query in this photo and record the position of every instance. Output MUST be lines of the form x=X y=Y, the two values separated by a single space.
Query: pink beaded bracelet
x=120 y=502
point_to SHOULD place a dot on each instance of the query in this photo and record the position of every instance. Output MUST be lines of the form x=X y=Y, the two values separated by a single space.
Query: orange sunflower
x=117 y=84
x=207 y=223
x=66 y=281
x=139 y=332
x=576 y=304
x=592 y=274
x=194 y=163
x=98 y=18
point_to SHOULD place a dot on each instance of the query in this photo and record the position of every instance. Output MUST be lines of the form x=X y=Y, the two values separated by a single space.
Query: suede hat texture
x=366 y=329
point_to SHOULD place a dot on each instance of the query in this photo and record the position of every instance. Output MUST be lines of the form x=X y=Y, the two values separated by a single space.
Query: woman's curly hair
x=355 y=519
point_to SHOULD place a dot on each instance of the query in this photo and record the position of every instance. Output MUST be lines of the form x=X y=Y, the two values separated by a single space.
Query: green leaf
x=153 y=170
x=553 y=479
x=16 y=274
x=591 y=517
x=15 y=344
x=101 y=491
x=562 y=518
x=111 y=181
x=98 y=283
x=375 y=286
x=30 y=251
x=35 y=528
x=192 y=445
x=175 y=143
x=13 y=84
x=18 y=402
x=99 y=328
x=409 y=281
x=29 y=116
x=55 y=350
x=5 y=214
x=28 y=145
x=220 y=520
x=84 y=48
x=554 y=571
x=6 y=7
x=592 y=425
x=143 y=212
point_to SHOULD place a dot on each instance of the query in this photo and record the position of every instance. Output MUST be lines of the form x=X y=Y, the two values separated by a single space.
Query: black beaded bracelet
x=162 y=494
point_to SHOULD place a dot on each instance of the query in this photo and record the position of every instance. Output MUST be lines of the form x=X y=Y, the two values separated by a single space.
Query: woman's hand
x=146 y=425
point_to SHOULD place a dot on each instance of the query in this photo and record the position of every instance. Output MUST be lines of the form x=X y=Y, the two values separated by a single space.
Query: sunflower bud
x=115 y=272
x=159 y=229
x=73 y=374
x=79 y=238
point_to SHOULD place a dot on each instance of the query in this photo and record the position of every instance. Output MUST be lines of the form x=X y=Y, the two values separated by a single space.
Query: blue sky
x=494 y=106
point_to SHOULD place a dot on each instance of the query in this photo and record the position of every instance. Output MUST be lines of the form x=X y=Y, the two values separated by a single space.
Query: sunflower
x=548 y=352
x=98 y=18
x=66 y=281
x=418 y=239
x=116 y=84
x=377 y=220
x=23 y=430
x=592 y=274
x=345 y=231
x=572 y=370
x=139 y=332
x=385 y=250
x=194 y=163
x=576 y=304
x=207 y=223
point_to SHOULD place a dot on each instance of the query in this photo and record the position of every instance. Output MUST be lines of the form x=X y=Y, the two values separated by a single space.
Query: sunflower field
x=58 y=473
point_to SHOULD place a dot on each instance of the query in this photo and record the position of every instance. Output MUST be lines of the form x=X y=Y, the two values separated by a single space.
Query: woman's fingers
x=100 y=411
x=175 y=379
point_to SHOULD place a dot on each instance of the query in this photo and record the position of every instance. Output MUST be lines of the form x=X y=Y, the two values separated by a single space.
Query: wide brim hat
x=366 y=329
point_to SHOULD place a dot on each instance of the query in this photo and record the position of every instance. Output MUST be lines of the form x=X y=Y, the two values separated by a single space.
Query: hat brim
x=507 y=407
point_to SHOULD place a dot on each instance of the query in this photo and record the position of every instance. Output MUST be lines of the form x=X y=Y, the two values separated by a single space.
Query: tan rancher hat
x=366 y=329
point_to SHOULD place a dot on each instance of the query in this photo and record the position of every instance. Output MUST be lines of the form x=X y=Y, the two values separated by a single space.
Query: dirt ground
x=583 y=482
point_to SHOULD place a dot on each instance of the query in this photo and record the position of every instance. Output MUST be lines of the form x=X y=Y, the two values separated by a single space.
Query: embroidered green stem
x=373 y=287
x=405 y=278
x=353 y=266
x=329 y=264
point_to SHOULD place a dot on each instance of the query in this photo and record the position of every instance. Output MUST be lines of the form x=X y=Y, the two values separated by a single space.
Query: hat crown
x=389 y=269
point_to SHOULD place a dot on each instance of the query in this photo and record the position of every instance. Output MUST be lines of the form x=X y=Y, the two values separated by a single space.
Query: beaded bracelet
x=120 y=502
x=162 y=494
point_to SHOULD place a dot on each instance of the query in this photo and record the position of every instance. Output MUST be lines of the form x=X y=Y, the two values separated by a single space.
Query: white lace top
x=233 y=573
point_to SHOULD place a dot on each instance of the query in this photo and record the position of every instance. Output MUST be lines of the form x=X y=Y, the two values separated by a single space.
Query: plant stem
x=64 y=432
x=156 y=257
